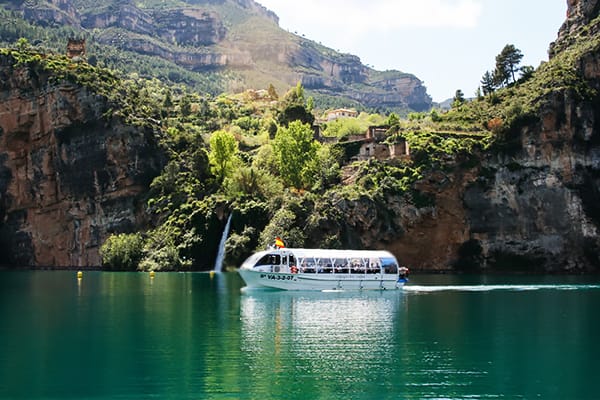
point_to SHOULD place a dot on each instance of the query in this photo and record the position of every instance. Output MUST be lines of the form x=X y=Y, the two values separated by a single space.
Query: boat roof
x=335 y=253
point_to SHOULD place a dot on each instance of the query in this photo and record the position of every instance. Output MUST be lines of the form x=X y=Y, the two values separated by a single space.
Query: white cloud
x=359 y=16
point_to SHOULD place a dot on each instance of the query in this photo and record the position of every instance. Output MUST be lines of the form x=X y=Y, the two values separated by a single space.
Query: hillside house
x=374 y=148
x=371 y=143
x=341 y=113
x=377 y=132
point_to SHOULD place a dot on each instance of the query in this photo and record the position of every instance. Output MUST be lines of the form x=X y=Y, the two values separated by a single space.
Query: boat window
x=389 y=265
x=269 y=259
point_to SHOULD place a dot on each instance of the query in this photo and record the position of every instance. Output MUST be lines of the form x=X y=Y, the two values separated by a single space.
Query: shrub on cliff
x=122 y=252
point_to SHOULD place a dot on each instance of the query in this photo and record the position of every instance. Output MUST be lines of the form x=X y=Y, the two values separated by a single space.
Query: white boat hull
x=321 y=281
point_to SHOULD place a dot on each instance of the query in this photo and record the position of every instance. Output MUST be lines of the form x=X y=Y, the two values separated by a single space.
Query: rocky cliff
x=69 y=176
x=239 y=38
x=539 y=205
x=534 y=202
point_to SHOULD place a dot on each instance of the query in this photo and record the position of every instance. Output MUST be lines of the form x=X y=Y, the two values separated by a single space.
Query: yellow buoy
x=79 y=274
x=211 y=274
x=151 y=274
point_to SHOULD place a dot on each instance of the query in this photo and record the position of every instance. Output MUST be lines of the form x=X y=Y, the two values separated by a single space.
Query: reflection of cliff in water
x=327 y=331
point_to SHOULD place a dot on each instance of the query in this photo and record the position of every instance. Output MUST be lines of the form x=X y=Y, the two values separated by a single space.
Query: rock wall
x=68 y=176
x=536 y=205
x=533 y=203
x=538 y=208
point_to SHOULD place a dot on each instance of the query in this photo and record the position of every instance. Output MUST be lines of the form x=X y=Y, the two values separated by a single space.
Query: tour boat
x=322 y=269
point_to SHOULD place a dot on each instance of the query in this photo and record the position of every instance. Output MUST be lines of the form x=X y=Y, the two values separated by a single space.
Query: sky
x=448 y=44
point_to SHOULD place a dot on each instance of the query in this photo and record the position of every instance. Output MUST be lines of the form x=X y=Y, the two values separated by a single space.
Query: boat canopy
x=354 y=259
x=329 y=254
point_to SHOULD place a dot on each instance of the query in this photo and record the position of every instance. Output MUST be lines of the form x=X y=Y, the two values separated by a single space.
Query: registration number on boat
x=277 y=277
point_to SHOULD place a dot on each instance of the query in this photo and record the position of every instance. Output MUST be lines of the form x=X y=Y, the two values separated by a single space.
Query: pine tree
x=507 y=63
x=459 y=99
x=487 y=83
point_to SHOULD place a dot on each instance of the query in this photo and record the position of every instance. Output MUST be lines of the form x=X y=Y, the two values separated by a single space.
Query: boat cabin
x=317 y=261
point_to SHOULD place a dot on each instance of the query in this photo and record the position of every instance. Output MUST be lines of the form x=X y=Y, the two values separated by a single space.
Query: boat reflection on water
x=320 y=333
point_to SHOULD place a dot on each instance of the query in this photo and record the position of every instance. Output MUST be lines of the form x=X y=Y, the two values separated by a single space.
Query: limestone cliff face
x=52 y=11
x=68 y=176
x=539 y=207
x=238 y=36
x=580 y=13
x=536 y=205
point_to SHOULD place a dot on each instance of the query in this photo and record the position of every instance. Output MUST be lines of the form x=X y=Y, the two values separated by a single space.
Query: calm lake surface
x=190 y=336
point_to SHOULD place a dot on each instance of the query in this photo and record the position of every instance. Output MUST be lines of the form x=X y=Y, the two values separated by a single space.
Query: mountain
x=213 y=45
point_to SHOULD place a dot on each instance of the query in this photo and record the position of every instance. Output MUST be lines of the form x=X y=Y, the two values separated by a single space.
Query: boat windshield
x=269 y=259
x=250 y=261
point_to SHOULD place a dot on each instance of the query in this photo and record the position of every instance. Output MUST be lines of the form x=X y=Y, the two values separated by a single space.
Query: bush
x=122 y=252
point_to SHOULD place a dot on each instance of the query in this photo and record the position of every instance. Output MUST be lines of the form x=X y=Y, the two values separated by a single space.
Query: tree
x=295 y=95
x=478 y=93
x=295 y=112
x=272 y=92
x=185 y=106
x=23 y=44
x=310 y=104
x=294 y=148
x=294 y=108
x=167 y=104
x=526 y=73
x=507 y=63
x=345 y=127
x=393 y=119
x=223 y=154
x=123 y=251
x=459 y=99
x=487 y=83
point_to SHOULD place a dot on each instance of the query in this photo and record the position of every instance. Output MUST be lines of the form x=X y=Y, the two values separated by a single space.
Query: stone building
x=341 y=113
x=76 y=48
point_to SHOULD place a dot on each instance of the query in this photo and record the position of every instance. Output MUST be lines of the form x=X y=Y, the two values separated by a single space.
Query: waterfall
x=221 y=254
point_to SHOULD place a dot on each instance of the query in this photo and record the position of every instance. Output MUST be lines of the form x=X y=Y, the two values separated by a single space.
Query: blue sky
x=448 y=44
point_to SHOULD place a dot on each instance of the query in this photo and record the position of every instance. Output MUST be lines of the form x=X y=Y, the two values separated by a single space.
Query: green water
x=187 y=336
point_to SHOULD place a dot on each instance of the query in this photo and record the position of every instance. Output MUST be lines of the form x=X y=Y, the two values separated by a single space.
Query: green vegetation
x=123 y=251
x=244 y=154
x=254 y=155
x=223 y=154
x=295 y=150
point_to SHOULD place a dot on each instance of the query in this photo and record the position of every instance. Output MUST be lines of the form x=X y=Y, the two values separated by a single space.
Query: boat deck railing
x=328 y=269
x=338 y=270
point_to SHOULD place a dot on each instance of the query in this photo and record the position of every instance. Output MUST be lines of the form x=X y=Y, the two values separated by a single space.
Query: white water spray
x=221 y=254
x=488 y=288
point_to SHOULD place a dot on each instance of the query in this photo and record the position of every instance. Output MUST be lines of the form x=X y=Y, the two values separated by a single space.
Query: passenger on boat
x=402 y=274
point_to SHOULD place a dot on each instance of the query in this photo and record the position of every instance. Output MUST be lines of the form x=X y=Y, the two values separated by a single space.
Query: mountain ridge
x=238 y=39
